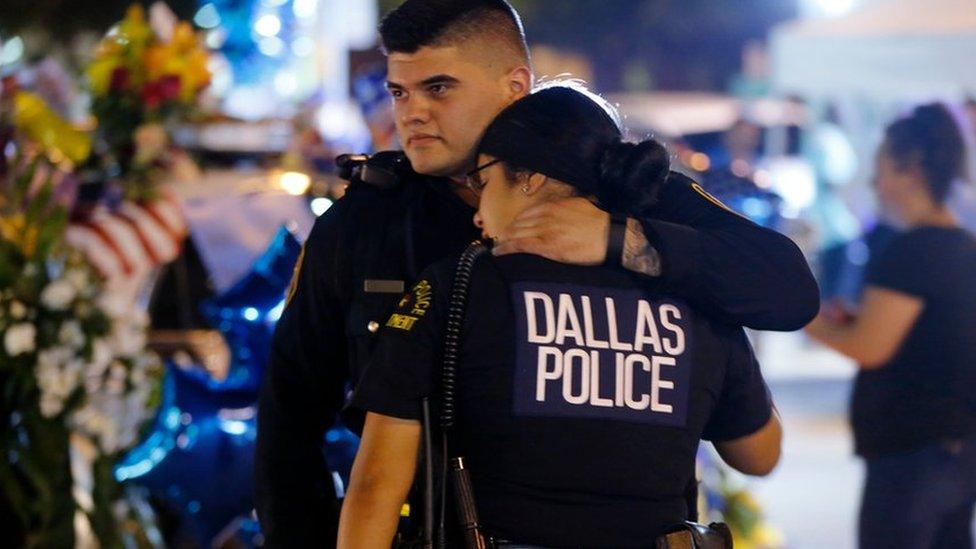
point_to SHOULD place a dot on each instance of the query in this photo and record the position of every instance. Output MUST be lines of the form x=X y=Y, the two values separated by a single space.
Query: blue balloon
x=340 y=451
x=199 y=455
x=246 y=313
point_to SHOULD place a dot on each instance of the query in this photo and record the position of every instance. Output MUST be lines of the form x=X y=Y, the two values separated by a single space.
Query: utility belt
x=688 y=535
x=453 y=470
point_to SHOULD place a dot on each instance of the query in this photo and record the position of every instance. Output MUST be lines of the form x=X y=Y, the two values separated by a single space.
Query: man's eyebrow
x=440 y=79
x=433 y=80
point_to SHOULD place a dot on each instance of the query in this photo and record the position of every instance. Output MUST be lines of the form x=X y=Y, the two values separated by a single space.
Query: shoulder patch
x=412 y=306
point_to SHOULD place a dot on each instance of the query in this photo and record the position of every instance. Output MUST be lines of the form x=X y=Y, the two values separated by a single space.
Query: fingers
x=533 y=215
x=529 y=245
x=535 y=232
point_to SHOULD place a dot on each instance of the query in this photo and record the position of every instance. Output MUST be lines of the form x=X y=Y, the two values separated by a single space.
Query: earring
x=525 y=188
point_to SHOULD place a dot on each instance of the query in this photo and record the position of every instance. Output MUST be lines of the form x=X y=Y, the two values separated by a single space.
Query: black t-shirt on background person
x=925 y=392
x=581 y=398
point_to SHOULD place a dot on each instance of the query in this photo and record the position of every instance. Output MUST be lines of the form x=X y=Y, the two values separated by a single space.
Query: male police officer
x=452 y=66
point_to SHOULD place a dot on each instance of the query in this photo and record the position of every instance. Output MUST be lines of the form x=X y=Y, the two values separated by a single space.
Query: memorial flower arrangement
x=724 y=497
x=76 y=379
x=142 y=83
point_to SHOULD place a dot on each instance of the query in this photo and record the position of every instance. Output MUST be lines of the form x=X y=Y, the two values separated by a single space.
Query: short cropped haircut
x=418 y=23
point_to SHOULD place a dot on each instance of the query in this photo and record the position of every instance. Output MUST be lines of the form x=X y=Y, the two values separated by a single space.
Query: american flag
x=128 y=242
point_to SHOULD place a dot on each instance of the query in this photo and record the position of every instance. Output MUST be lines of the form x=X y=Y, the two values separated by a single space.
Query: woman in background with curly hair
x=913 y=409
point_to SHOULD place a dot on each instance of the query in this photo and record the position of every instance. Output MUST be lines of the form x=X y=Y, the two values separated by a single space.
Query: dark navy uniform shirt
x=581 y=396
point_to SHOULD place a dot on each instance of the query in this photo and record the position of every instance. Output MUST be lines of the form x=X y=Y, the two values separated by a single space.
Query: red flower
x=169 y=86
x=9 y=86
x=152 y=94
x=120 y=80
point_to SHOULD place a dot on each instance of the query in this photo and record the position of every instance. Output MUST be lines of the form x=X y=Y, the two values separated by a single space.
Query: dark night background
x=670 y=44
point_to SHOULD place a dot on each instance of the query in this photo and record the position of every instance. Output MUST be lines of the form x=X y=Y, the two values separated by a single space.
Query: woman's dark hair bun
x=632 y=175
x=930 y=138
x=567 y=133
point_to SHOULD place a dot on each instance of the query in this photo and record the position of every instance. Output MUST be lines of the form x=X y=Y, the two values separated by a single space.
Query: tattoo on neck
x=639 y=256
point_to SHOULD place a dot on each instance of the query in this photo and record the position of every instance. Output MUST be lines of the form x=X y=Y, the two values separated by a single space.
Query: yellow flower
x=134 y=28
x=183 y=36
x=156 y=59
x=99 y=75
x=56 y=136
x=197 y=70
x=14 y=229
x=110 y=46
x=11 y=226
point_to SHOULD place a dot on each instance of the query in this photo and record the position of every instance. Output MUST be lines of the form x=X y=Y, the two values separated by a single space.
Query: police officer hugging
x=592 y=352
x=577 y=408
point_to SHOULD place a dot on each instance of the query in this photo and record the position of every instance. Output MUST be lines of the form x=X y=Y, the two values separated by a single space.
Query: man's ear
x=519 y=82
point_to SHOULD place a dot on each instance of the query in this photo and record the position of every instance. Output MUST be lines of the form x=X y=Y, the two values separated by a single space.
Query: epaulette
x=383 y=170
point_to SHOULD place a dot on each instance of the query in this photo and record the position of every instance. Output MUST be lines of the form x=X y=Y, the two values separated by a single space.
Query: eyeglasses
x=473 y=180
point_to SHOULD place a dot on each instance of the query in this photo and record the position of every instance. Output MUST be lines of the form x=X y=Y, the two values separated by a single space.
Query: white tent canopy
x=894 y=50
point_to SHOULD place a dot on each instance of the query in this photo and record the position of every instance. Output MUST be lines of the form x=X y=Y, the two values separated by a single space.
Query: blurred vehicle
x=746 y=153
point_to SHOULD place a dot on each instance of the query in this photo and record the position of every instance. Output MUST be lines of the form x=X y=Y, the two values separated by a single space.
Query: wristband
x=615 y=240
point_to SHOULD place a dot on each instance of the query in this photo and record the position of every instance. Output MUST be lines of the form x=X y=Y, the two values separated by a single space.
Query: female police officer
x=582 y=395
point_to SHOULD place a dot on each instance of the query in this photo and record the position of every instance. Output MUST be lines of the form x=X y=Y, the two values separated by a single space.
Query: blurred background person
x=913 y=413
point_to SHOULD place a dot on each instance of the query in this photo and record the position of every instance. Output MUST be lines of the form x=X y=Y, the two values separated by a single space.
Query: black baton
x=467 y=513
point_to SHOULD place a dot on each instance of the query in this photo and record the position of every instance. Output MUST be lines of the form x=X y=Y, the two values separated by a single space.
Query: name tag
x=374 y=286
x=602 y=353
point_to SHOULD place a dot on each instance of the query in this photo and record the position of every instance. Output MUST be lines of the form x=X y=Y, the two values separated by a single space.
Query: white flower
x=58 y=295
x=108 y=438
x=71 y=335
x=99 y=426
x=48 y=368
x=128 y=341
x=53 y=358
x=78 y=278
x=113 y=304
x=117 y=371
x=51 y=405
x=101 y=357
x=18 y=310
x=151 y=141
x=115 y=384
x=58 y=372
x=68 y=379
x=20 y=339
x=138 y=375
x=93 y=384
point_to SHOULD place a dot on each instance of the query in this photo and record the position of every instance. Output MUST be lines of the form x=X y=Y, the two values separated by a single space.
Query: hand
x=569 y=230
x=836 y=312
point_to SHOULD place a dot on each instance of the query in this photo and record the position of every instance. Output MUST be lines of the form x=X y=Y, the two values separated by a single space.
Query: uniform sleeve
x=727 y=265
x=402 y=367
x=896 y=267
x=745 y=404
x=302 y=392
